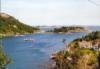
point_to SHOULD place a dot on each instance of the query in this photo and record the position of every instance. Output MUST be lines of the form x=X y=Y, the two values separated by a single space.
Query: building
x=90 y=44
x=85 y=44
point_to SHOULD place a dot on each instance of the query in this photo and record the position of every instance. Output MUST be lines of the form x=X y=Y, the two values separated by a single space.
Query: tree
x=4 y=60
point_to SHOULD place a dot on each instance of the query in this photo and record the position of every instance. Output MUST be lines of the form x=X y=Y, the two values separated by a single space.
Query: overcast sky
x=54 y=12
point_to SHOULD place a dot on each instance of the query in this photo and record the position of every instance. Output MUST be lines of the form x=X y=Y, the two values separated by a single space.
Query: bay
x=33 y=54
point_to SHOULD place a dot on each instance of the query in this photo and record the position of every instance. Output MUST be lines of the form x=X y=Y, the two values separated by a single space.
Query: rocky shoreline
x=82 y=53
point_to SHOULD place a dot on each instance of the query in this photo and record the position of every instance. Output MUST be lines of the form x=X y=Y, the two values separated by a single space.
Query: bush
x=4 y=60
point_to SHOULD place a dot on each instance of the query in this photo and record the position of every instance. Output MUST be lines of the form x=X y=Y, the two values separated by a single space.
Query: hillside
x=10 y=25
x=82 y=53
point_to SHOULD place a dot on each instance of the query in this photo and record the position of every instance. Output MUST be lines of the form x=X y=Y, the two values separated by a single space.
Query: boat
x=18 y=35
x=28 y=39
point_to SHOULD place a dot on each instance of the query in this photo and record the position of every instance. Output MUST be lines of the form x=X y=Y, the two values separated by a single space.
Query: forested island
x=12 y=26
x=81 y=53
x=68 y=29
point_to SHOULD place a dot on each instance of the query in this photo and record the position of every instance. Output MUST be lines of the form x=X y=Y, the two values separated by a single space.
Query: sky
x=54 y=12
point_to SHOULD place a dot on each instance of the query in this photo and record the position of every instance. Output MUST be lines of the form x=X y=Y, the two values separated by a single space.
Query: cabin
x=90 y=44
x=85 y=44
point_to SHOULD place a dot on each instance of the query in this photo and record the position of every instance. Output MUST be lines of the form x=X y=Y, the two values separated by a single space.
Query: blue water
x=31 y=54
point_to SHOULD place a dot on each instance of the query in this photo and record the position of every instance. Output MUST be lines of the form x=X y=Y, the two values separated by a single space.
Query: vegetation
x=68 y=29
x=4 y=60
x=99 y=59
x=92 y=36
x=76 y=57
x=9 y=25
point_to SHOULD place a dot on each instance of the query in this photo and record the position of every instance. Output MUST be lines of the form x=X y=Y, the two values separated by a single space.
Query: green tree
x=4 y=60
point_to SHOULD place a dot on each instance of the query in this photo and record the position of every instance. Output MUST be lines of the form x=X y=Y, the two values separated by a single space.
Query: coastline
x=82 y=50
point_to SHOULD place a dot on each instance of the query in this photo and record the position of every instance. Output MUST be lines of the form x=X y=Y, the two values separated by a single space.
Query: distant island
x=12 y=26
x=68 y=29
x=81 y=53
